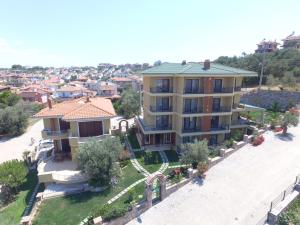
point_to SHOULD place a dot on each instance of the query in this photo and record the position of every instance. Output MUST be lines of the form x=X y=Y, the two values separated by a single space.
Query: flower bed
x=257 y=140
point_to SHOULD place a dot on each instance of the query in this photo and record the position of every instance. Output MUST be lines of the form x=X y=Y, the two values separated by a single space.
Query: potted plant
x=202 y=168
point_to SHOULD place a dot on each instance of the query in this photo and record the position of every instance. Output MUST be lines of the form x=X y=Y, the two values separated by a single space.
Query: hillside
x=281 y=67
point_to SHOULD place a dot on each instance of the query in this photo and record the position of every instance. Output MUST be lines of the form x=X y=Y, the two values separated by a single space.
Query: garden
x=151 y=161
x=292 y=215
x=15 y=192
x=72 y=209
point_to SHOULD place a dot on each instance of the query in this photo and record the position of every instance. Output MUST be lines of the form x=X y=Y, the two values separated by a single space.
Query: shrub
x=202 y=167
x=6 y=195
x=258 y=140
x=228 y=143
x=193 y=153
x=99 y=159
x=109 y=212
x=237 y=135
x=283 y=219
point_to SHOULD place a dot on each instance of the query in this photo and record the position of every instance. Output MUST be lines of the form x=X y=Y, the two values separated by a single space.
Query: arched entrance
x=155 y=188
x=123 y=128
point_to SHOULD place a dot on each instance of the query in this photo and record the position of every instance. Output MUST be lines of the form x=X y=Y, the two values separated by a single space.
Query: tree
x=289 y=119
x=13 y=174
x=99 y=159
x=13 y=120
x=195 y=152
x=129 y=104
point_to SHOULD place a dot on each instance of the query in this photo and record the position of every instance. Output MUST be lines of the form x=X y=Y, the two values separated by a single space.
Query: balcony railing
x=161 y=89
x=191 y=130
x=161 y=108
x=238 y=88
x=193 y=91
x=238 y=106
x=241 y=122
x=221 y=109
x=51 y=133
x=223 y=90
x=192 y=111
x=153 y=128
x=220 y=127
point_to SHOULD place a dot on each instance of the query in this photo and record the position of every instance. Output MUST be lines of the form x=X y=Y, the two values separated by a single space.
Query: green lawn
x=256 y=115
x=292 y=215
x=173 y=158
x=154 y=162
x=13 y=212
x=70 y=210
x=133 y=141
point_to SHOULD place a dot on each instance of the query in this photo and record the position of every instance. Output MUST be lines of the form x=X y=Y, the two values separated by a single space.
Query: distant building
x=291 y=41
x=103 y=88
x=122 y=82
x=71 y=92
x=4 y=88
x=34 y=94
x=266 y=46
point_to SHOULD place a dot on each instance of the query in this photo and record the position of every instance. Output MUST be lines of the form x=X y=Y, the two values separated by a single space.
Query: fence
x=279 y=199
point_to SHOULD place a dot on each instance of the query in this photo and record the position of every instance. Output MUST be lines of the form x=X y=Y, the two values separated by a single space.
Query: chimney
x=87 y=98
x=49 y=101
x=183 y=62
x=206 y=64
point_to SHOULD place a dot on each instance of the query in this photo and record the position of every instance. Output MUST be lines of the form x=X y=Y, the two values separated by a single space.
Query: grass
x=12 y=213
x=256 y=115
x=173 y=158
x=70 y=210
x=133 y=141
x=153 y=164
x=293 y=213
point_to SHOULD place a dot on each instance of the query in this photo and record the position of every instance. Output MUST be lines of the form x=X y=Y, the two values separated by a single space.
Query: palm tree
x=288 y=120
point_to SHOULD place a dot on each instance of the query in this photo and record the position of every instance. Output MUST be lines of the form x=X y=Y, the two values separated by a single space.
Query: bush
x=257 y=140
x=6 y=195
x=283 y=219
x=99 y=159
x=109 y=212
x=151 y=158
x=202 y=167
x=237 y=135
x=228 y=143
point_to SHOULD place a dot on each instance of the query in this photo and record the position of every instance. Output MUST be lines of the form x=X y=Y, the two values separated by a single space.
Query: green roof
x=197 y=69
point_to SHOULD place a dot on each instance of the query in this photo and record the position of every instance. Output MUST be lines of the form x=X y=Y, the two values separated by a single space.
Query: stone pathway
x=165 y=160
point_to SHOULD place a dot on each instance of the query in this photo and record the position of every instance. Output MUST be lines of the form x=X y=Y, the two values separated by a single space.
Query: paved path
x=238 y=190
x=13 y=148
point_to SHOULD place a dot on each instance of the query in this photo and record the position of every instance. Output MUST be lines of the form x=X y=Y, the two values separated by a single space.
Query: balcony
x=192 y=111
x=151 y=127
x=223 y=90
x=223 y=127
x=241 y=122
x=161 y=108
x=194 y=91
x=237 y=89
x=221 y=109
x=191 y=130
x=57 y=134
x=161 y=89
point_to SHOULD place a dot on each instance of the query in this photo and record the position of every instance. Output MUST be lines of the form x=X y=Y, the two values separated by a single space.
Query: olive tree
x=99 y=159
x=289 y=119
x=194 y=153
x=12 y=175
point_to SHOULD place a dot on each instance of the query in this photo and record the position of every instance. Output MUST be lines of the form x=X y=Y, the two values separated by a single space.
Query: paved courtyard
x=238 y=190
x=13 y=148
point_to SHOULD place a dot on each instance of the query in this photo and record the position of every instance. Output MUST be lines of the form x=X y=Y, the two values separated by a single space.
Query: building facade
x=71 y=123
x=266 y=46
x=291 y=41
x=184 y=102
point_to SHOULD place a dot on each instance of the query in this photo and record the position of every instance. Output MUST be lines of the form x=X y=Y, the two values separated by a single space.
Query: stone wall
x=266 y=99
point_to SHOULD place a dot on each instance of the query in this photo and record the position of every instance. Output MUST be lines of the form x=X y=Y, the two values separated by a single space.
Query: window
x=162 y=121
x=190 y=123
x=168 y=138
x=163 y=84
x=147 y=139
x=191 y=86
x=216 y=104
x=190 y=105
x=162 y=103
x=218 y=85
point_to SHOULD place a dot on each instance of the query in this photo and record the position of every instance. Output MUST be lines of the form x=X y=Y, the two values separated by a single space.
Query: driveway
x=13 y=148
x=238 y=190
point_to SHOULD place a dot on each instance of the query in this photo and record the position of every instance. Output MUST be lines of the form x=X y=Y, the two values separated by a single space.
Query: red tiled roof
x=80 y=109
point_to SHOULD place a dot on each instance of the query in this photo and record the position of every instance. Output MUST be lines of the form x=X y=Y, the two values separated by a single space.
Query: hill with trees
x=280 y=67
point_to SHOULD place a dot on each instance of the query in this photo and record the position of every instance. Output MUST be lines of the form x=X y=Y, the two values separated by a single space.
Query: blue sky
x=64 y=33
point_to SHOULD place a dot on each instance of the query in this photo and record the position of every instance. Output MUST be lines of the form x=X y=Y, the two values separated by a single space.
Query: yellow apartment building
x=187 y=101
